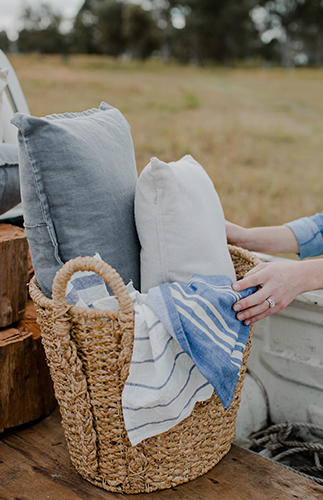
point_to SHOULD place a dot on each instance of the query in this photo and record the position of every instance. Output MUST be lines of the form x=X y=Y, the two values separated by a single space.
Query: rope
x=282 y=441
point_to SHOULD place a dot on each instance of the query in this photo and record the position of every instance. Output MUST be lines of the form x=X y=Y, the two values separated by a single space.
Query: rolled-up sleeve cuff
x=309 y=236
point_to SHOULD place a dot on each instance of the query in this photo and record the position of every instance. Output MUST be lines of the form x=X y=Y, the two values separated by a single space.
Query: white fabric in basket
x=164 y=384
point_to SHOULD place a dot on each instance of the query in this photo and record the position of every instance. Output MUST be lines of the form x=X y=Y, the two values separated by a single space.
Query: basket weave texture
x=89 y=353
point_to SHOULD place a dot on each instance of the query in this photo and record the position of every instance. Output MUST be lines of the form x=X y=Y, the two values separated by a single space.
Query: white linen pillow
x=180 y=224
x=3 y=82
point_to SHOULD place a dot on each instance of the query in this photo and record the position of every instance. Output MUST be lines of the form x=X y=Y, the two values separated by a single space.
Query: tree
x=113 y=27
x=297 y=25
x=41 y=32
x=196 y=31
x=85 y=33
x=217 y=30
x=111 y=37
x=307 y=22
x=141 y=33
x=4 y=41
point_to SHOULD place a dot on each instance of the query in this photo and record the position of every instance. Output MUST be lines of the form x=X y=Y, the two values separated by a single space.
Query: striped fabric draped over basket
x=89 y=353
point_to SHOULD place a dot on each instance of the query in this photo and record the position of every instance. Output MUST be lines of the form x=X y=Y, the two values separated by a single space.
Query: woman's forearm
x=312 y=275
x=272 y=239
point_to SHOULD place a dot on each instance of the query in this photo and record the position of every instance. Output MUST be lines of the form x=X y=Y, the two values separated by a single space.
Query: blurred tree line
x=289 y=32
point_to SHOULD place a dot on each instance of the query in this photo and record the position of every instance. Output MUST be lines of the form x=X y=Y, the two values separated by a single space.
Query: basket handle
x=106 y=272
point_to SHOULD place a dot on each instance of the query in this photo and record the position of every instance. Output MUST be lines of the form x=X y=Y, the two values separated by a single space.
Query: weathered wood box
x=26 y=391
x=13 y=273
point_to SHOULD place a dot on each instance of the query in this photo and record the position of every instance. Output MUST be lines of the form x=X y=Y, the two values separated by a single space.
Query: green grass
x=257 y=132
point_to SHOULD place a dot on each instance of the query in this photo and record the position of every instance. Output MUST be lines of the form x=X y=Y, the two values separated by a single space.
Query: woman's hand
x=279 y=283
x=236 y=235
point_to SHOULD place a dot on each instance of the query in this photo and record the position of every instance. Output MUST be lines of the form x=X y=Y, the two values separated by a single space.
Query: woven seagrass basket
x=89 y=353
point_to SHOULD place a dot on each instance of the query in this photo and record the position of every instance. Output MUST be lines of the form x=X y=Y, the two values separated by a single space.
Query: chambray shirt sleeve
x=309 y=234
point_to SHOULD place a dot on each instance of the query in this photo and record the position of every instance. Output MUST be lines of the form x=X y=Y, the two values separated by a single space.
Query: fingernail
x=236 y=287
x=247 y=322
x=237 y=307
x=240 y=316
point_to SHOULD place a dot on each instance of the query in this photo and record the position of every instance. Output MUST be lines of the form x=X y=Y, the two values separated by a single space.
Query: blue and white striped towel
x=85 y=287
x=200 y=317
x=88 y=289
x=187 y=342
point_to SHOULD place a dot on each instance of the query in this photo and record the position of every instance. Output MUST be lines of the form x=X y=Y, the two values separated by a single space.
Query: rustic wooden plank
x=26 y=391
x=13 y=272
x=34 y=465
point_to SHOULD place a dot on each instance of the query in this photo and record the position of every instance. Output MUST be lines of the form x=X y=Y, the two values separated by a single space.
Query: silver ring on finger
x=271 y=303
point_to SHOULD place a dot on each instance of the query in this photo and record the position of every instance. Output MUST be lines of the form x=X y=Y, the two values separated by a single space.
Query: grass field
x=257 y=132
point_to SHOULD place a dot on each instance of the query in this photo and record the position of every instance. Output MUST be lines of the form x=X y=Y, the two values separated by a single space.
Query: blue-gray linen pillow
x=9 y=177
x=78 y=178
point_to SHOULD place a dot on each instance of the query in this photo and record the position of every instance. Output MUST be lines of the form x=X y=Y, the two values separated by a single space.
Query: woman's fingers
x=254 y=277
x=261 y=303
x=248 y=315
x=254 y=307
x=250 y=301
x=258 y=317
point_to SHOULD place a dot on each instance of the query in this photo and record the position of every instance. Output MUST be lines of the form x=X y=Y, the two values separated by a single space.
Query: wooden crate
x=26 y=391
x=13 y=273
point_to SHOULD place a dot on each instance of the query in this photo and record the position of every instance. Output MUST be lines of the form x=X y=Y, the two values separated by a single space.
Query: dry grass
x=257 y=132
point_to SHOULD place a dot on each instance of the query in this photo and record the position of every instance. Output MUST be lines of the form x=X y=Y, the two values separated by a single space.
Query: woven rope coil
x=284 y=444
x=89 y=353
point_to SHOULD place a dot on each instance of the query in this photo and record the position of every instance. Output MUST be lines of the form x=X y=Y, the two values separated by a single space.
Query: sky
x=11 y=10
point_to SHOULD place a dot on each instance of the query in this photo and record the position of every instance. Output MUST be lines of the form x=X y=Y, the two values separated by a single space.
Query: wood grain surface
x=34 y=465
